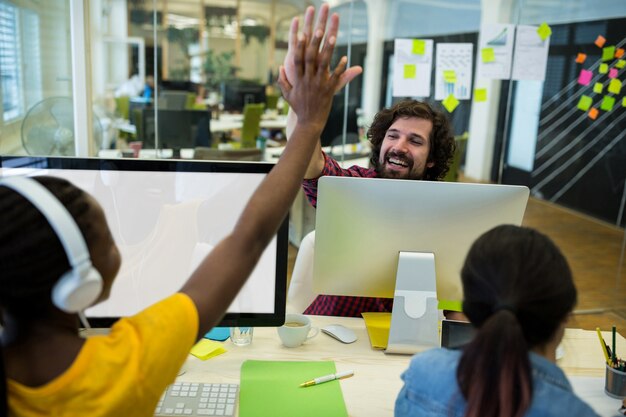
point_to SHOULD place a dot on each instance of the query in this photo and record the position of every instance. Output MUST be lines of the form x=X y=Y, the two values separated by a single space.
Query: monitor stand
x=414 y=318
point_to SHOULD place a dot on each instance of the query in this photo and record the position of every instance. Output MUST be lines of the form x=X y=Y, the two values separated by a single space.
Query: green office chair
x=453 y=173
x=272 y=101
x=251 y=124
x=122 y=106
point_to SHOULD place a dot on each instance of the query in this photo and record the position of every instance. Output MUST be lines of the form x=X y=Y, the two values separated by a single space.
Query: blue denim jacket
x=430 y=388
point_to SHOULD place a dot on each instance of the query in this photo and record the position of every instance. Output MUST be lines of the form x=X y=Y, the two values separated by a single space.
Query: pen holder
x=615 y=383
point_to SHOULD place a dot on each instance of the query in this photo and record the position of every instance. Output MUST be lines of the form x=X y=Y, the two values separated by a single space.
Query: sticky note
x=419 y=47
x=450 y=103
x=619 y=52
x=604 y=68
x=597 y=88
x=613 y=73
x=620 y=64
x=608 y=53
x=544 y=31
x=480 y=94
x=585 y=102
x=615 y=86
x=580 y=58
x=607 y=103
x=600 y=41
x=409 y=70
x=488 y=54
x=585 y=77
x=206 y=349
x=377 y=325
x=593 y=113
x=449 y=76
x=623 y=101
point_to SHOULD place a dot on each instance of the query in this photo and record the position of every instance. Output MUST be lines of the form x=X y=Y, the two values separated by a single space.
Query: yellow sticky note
x=544 y=31
x=620 y=64
x=597 y=88
x=419 y=47
x=449 y=76
x=480 y=94
x=378 y=325
x=409 y=70
x=450 y=103
x=585 y=103
x=206 y=349
x=488 y=55
x=615 y=86
x=624 y=102
x=604 y=68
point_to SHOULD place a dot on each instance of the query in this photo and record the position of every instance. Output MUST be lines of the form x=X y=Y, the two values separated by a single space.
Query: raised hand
x=311 y=87
x=309 y=15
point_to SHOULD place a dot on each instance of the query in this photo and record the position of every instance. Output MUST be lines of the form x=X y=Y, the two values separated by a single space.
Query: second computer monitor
x=362 y=224
x=238 y=94
x=177 y=129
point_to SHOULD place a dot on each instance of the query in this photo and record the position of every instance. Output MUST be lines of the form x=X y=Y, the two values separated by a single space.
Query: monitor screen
x=237 y=94
x=363 y=223
x=177 y=129
x=165 y=216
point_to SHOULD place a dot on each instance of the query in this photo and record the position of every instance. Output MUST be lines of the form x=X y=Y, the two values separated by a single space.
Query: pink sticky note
x=613 y=73
x=585 y=77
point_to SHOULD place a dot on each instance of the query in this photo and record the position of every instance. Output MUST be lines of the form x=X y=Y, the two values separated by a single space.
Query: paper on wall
x=455 y=57
x=499 y=39
x=413 y=60
x=531 y=54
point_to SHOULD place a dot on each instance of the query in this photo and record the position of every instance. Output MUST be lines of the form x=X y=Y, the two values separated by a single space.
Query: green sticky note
x=607 y=103
x=623 y=101
x=597 y=88
x=544 y=31
x=480 y=94
x=488 y=54
x=615 y=86
x=604 y=68
x=272 y=388
x=450 y=305
x=450 y=103
x=449 y=76
x=419 y=47
x=585 y=102
x=608 y=53
x=409 y=70
x=620 y=63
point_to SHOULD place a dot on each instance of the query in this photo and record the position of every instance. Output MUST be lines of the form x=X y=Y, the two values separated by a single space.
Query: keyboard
x=198 y=399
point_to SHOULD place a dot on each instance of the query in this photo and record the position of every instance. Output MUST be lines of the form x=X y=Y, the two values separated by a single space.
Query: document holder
x=414 y=317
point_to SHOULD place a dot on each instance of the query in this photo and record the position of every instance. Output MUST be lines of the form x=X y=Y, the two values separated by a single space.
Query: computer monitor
x=363 y=223
x=239 y=93
x=177 y=129
x=165 y=216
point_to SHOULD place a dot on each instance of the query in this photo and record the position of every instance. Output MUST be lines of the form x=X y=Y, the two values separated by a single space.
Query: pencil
x=603 y=344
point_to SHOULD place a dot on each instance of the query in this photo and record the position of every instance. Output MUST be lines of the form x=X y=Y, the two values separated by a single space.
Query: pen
x=604 y=350
x=614 y=358
x=326 y=378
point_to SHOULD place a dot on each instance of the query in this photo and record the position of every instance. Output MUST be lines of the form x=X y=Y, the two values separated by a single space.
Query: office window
x=10 y=62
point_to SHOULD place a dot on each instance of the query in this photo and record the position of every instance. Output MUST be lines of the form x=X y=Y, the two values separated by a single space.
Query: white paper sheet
x=455 y=57
x=531 y=54
x=419 y=86
x=498 y=37
x=591 y=390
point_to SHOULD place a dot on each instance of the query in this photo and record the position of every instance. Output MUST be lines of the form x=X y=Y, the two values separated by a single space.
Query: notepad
x=378 y=325
x=272 y=388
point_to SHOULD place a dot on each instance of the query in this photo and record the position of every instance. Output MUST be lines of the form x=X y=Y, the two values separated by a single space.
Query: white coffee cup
x=296 y=330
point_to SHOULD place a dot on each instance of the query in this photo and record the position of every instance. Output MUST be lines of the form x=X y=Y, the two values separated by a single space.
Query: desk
x=373 y=389
x=228 y=122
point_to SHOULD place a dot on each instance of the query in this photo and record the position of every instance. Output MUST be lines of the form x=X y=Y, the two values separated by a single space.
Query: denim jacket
x=431 y=389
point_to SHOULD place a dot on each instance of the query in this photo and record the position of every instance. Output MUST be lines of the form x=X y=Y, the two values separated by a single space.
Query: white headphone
x=79 y=287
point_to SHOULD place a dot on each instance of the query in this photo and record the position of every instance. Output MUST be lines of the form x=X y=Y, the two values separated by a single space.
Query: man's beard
x=383 y=172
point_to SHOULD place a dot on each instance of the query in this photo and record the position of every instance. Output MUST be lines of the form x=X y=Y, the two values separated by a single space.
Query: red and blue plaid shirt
x=334 y=305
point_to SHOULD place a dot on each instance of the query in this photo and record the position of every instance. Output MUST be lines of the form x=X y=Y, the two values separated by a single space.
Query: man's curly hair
x=441 y=138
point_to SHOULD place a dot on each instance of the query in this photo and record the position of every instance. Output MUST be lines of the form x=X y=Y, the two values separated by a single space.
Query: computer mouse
x=339 y=332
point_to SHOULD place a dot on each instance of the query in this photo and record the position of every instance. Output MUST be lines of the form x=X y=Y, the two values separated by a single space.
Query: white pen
x=326 y=378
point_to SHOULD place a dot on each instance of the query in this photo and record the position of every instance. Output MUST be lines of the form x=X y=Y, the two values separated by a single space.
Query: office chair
x=122 y=106
x=251 y=124
x=271 y=100
x=300 y=293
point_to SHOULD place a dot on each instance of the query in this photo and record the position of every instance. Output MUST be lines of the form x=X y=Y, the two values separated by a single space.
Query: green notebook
x=272 y=388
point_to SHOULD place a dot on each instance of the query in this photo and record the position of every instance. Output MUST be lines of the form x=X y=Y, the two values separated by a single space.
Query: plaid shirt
x=333 y=305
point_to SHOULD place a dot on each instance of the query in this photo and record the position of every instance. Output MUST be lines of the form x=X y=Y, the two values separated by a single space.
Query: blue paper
x=218 y=333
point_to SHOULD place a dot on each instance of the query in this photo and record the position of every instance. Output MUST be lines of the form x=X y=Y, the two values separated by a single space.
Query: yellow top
x=123 y=373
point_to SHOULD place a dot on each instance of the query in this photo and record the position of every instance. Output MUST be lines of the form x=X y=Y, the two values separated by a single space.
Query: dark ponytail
x=518 y=289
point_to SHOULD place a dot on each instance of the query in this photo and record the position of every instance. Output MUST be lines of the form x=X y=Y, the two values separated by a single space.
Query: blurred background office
x=197 y=79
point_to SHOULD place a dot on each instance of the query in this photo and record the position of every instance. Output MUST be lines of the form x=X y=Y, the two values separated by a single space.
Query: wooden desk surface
x=373 y=389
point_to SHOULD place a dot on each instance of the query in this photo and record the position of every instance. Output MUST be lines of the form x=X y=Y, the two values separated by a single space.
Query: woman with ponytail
x=518 y=292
